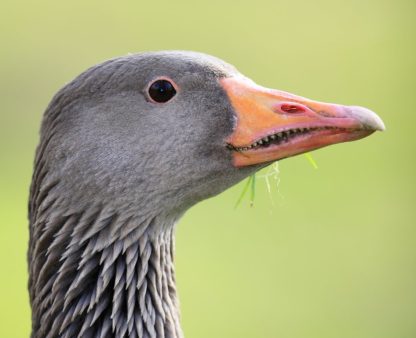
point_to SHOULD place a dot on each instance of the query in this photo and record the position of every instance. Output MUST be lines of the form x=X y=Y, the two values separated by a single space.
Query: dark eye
x=161 y=91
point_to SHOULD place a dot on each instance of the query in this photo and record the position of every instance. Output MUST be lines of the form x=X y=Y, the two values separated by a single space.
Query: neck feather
x=97 y=275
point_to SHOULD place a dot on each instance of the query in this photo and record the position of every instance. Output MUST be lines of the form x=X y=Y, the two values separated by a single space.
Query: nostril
x=291 y=108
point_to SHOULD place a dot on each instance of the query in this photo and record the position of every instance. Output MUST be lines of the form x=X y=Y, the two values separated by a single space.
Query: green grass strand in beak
x=243 y=192
x=311 y=160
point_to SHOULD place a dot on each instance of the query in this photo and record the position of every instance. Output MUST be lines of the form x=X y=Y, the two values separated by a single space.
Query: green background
x=334 y=254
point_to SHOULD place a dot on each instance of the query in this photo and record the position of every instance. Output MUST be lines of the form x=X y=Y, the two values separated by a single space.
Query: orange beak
x=272 y=124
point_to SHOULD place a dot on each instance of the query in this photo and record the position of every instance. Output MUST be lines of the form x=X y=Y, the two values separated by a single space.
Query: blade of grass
x=311 y=160
x=243 y=192
x=269 y=190
x=274 y=173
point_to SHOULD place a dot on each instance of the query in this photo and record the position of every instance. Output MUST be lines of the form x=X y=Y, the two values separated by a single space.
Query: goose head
x=168 y=129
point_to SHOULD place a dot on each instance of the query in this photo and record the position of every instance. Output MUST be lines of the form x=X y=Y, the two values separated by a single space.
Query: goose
x=125 y=149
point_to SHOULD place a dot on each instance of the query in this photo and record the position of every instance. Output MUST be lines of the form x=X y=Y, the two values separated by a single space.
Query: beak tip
x=382 y=127
x=368 y=118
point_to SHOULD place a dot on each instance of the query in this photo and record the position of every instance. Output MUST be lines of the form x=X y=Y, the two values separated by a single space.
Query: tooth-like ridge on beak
x=281 y=136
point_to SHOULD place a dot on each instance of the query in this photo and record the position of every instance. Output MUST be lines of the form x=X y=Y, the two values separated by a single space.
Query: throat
x=123 y=289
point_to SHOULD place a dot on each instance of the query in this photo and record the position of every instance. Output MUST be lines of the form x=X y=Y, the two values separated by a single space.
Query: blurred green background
x=334 y=254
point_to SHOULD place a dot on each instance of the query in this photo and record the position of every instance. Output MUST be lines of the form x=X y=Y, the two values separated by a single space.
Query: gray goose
x=125 y=149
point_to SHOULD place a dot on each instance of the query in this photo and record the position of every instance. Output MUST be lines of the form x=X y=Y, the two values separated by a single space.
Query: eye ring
x=161 y=90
